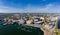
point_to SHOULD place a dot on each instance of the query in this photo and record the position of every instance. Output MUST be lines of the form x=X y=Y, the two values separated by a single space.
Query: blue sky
x=29 y=6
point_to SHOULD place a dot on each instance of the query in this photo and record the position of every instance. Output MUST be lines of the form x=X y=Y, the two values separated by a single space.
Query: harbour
x=29 y=23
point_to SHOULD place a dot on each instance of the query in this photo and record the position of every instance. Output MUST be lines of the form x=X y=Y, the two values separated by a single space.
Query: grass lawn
x=58 y=31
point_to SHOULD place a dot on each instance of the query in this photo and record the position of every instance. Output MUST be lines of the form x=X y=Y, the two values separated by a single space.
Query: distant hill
x=3 y=14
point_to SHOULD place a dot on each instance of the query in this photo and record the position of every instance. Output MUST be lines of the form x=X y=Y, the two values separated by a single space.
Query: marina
x=29 y=17
x=33 y=24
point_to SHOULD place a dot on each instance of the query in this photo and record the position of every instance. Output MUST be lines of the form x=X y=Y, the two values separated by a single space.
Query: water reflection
x=16 y=29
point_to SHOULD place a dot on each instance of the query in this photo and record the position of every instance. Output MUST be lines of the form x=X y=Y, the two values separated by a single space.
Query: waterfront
x=58 y=27
x=17 y=29
x=33 y=24
x=59 y=24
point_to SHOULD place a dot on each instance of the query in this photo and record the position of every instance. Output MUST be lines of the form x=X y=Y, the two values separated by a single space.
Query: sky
x=29 y=6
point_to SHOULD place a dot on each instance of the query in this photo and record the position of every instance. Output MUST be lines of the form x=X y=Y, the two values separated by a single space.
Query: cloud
x=50 y=8
x=4 y=9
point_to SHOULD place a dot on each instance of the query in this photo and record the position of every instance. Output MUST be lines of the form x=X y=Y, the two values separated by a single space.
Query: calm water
x=59 y=24
x=16 y=29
